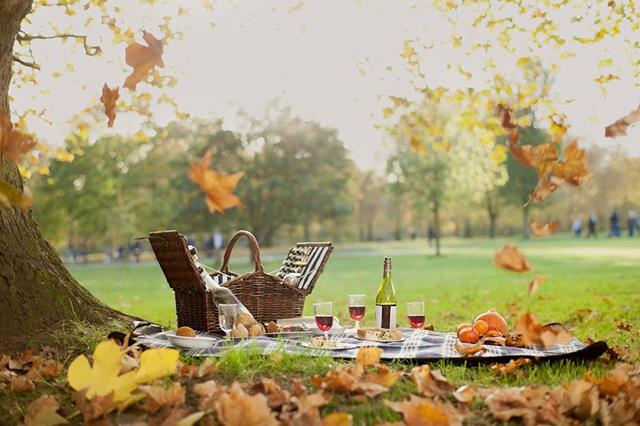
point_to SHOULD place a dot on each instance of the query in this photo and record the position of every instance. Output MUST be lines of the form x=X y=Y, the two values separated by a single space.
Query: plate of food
x=275 y=329
x=380 y=334
x=186 y=338
x=328 y=344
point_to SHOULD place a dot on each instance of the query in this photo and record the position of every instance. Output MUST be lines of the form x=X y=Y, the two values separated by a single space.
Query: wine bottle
x=219 y=294
x=386 y=299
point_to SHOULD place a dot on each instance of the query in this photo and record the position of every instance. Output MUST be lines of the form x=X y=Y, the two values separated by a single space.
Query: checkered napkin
x=418 y=345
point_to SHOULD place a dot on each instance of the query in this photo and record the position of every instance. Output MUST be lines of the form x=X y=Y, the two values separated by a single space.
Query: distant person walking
x=576 y=227
x=614 y=224
x=632 y=222
x=592 y=225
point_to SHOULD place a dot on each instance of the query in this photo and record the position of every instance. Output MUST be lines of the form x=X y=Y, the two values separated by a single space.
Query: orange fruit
x=495 y=321
x=460 y=327
x=468 y=335
x=481 y=327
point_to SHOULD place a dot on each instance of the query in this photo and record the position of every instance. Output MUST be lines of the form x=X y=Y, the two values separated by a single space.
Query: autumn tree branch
x=88 y=49
x=25 y=63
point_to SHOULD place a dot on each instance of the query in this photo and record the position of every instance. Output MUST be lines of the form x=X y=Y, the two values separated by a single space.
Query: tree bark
x=436 y=224
x=525 y=222
x=36 y=290
x=492 y=211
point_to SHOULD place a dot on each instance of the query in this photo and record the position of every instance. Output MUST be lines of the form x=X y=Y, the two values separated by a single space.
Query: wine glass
x=356 y=308
x=227 y=313
x=324 y=316
x=415 y=312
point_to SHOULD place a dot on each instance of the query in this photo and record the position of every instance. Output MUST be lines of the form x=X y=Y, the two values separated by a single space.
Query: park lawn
x=592 y=286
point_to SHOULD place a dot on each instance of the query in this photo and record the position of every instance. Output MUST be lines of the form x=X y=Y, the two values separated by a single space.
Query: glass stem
x=326 y=335
x=357 y=324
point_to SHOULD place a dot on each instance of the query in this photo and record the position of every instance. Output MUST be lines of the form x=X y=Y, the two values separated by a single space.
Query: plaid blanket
x=417 y=346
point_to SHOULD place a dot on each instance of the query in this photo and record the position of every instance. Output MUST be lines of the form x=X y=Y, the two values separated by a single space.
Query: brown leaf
x=298 y=388
x=536 y=334
x=366 y=357
x=543 y=229
x=465 y=394
x=22 y=384
x=546 y=185
x=276 y=397
x=425 y=412
x=207 y=368
x=218 y=188
x=507 y=403
x=108 y=99
x=142 y=59
x=308 y=405
x=468 y=349
x=338 y=419
x=534 y=284
x=158 y=397
x=236 y=408
x=511 y=368
x=574 y=168
x=511 y=259
x=43 y=412
x=14 y=144
x=210 y=392
x=383 y=376
x=619 y=127
x=96 y=407
x=430 y=383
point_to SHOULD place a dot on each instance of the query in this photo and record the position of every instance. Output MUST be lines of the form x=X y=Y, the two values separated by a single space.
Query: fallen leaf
x=218 y=188
x=543 y=229
x=276 y=397
x=367 y=357
x=619 y=127
x=236 y=408
x=536 y=334
x=14 y=144
x=430 y=382
x=22 y=384
x=511 y=259
x=469 y=349
x=465 y=394
x=382 y=375
x=108 y=99
x=425 y=412
x=534 y=284
x=309 y=408
x=97 y=407
x=158 y=397
x=142 y=59
x=43 y=412
x=338 y=419
x=191 y=419
x=511 y=368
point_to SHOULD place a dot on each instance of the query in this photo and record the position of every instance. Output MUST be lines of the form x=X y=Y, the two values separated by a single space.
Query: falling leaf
x=546 y=185
x=603 y=63
x=158 y=397
x=534 y=284
x=430 y=382
x=218 y=188
x=425 y=412
x=605 y=78
x=511 y=259
x=143 y=59
x=510 y=368
x=465 y=394
x=103 y=377
x=535 y=334
x=543 y=229
x=418 y=146
x=408 y=52
x=338 y=419
x=296 y=7
x=108 y=99
x=574 y=168
x=236 y=408
x=21 y=384
x=43 y=412
x=469 y=349
x=619 y=127
x=367 y=357
x=14 y=144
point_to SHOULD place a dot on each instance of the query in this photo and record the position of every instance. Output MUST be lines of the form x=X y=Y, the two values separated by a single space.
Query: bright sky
x=327 y=58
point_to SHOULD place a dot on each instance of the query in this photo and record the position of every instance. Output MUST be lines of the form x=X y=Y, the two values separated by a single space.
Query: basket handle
x=253 y=244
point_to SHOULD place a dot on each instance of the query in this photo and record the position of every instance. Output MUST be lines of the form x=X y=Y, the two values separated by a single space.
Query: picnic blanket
x=418 y=346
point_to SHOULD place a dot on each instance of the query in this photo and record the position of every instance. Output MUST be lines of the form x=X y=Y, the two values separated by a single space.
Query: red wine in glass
x=324 y=322
x=416 y=321
x=356 y=312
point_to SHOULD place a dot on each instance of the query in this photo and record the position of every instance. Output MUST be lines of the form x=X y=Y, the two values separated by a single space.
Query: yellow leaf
x=523 y=62
x=43 y=412
x=602 y=79
x=338 y=419
x=218 y=188
x=456 y=42
x=605 y=63
x=62 y=155
x=407 y=50
x=367 y=357
x=44 y=170
x=157 y=363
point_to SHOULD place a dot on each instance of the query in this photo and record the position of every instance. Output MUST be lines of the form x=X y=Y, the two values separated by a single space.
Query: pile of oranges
x=489 y=324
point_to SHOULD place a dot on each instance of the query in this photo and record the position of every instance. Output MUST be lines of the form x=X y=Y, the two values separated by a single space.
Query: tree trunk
x=525 y=222
x=492 y=211
x=436 y=224
x=36 y=290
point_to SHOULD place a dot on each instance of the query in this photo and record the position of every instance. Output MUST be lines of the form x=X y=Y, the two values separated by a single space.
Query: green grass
x=592 y=286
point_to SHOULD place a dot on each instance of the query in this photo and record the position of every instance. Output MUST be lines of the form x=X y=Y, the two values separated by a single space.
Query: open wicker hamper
x=266 y=296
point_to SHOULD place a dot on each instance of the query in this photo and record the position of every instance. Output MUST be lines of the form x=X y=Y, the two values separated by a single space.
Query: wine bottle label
x=386 y=316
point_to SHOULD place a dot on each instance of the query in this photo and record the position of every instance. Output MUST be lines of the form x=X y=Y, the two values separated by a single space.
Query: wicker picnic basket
x=266 y=296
